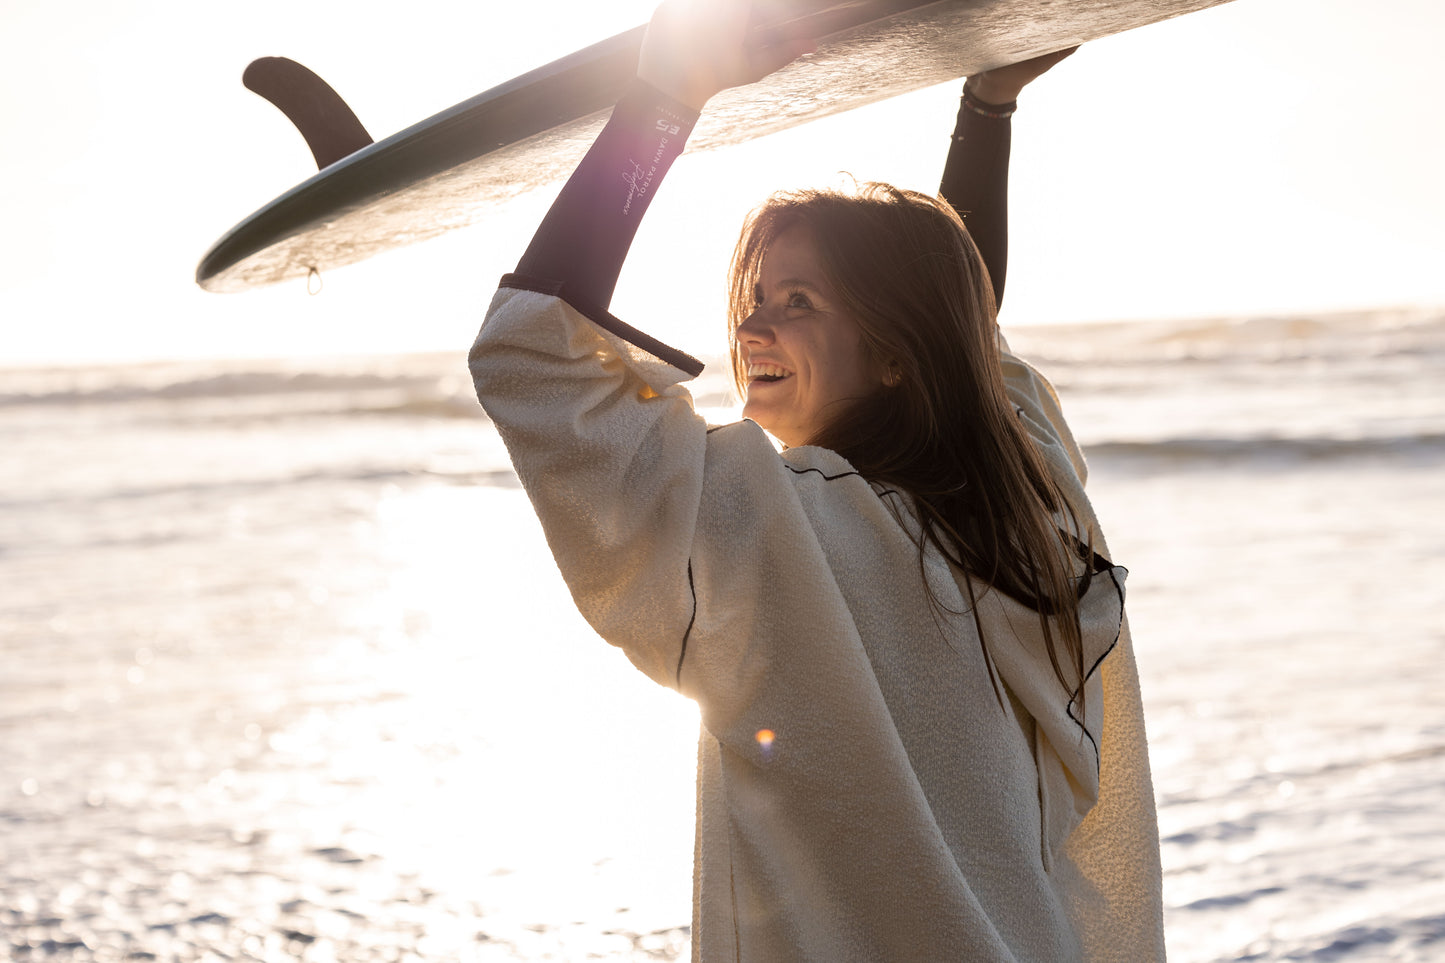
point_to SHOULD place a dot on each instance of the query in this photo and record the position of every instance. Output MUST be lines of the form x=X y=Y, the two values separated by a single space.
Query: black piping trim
x=819 y=471
x=1095 y=667
x=692 y=589
x=608 y=322
x=1098 y=564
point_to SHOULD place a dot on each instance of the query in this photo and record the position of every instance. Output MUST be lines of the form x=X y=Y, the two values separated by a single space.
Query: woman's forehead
x=792 y=255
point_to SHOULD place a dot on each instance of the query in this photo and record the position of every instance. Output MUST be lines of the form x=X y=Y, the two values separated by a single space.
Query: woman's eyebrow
x=797 y=283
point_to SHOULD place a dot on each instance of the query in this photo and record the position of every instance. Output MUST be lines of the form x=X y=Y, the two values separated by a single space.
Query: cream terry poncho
x=900 y=810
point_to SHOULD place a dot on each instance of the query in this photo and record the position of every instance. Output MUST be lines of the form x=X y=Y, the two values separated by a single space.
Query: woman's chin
x=763 y=414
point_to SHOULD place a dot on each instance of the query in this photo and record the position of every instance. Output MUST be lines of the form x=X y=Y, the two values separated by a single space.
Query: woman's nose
x=755 y=329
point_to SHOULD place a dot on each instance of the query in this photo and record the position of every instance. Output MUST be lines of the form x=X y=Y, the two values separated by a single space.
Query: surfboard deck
x=447 y=171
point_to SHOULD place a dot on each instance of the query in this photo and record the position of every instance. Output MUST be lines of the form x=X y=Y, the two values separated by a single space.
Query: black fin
x=329 y=126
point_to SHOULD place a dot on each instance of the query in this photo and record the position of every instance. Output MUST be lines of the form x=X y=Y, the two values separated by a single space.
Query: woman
x=921 y=731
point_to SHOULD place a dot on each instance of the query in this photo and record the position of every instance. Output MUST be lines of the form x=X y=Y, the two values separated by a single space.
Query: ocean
x=288 y=673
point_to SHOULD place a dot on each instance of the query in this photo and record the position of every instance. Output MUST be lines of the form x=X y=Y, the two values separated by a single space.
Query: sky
x=1261 y=157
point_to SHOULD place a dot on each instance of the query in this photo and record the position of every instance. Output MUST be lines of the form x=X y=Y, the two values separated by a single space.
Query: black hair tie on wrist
x=991 y=111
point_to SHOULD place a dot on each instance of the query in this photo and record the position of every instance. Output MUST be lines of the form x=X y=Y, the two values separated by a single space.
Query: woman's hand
x=1003 y=84
x=696 y=48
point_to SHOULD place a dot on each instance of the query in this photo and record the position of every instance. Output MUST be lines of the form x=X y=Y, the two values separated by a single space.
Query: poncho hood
x=1068 y=727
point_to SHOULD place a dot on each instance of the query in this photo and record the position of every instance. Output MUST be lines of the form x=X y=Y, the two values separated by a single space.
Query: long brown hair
x=905 y=267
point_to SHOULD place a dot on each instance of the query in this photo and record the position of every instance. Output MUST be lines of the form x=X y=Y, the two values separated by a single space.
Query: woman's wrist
x=973 y=103
x=645 y=91
x=988 y=94
x=689 y=95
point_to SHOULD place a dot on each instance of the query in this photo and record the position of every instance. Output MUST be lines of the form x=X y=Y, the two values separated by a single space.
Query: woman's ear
x=892 y=374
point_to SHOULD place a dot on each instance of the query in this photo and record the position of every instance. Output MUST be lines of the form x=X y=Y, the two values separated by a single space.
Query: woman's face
x=803 y=351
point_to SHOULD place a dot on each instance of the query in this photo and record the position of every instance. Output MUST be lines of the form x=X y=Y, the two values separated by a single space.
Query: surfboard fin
x=331 y=129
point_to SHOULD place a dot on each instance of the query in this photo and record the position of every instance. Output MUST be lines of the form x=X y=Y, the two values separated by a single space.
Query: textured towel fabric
x=863 y=792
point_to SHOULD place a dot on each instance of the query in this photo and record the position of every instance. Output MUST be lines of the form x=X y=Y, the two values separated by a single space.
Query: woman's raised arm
x=692 y=50
x=975 y=176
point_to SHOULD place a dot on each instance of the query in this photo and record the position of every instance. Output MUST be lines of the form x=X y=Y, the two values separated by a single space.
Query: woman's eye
x=758 y=296
x=799 y=301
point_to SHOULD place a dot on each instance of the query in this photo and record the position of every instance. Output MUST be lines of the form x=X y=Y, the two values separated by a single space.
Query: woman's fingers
x=695 y=48
x=1003 y=84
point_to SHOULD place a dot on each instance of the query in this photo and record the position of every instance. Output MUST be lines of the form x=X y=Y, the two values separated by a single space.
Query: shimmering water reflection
x=290 y=675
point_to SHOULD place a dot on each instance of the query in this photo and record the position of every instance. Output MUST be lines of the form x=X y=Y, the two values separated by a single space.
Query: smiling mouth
x=767 y=373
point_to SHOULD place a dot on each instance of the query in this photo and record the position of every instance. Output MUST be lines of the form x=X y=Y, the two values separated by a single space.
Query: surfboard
x=447 y=171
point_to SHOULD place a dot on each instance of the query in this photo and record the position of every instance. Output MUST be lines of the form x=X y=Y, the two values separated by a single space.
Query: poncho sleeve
x=609 y=449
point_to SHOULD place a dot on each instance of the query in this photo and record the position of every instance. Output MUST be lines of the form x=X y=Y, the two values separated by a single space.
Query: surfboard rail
x=448 y=170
